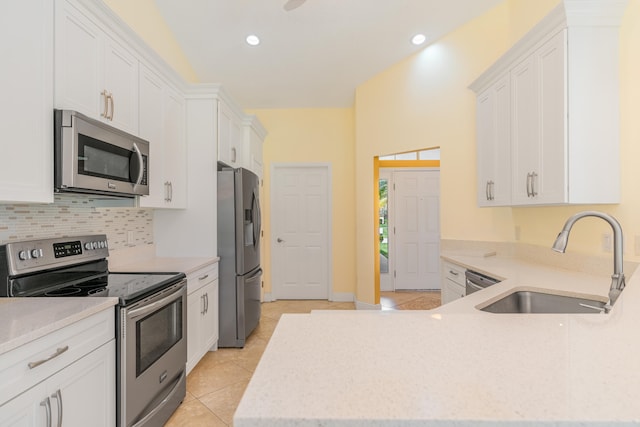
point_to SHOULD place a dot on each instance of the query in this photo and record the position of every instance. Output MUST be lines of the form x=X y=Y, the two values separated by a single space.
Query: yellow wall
x=424 y=101
x=144 y=18
x=311 y=136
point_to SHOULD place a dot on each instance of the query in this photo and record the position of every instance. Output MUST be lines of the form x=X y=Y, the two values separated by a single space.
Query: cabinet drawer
x=58 y=350
x=202 y=277
x=454 y=272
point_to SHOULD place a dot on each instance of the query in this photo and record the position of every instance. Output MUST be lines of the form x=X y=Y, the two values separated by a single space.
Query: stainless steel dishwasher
x=477 y=281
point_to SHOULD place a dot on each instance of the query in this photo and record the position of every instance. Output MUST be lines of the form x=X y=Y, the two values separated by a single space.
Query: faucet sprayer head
x=560 y=245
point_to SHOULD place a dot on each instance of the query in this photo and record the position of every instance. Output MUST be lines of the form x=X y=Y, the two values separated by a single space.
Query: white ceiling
x=313 y=56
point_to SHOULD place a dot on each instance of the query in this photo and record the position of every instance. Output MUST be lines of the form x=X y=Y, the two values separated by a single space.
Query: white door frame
x=272 y=231
x=389 y=172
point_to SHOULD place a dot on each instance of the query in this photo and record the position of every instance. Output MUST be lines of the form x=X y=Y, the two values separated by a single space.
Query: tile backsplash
x=73 y=215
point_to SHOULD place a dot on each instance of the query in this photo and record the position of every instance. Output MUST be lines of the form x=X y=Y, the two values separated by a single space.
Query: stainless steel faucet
x=617 y=278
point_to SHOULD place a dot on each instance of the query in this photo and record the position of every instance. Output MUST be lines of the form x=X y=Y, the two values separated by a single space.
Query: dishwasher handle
x=479 y=281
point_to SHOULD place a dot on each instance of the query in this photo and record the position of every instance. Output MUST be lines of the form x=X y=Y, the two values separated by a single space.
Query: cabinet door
x=195 y=310
x=26 y=115
x=451 y=291
x=151 y=97
x=229 y=137
x=79 y=49
x=121 y=81
x=552 y=184
x=493 y=145
x=86 y=390
x=525 y=132
x=210 y=317
x=29 y=409
x=175 y=157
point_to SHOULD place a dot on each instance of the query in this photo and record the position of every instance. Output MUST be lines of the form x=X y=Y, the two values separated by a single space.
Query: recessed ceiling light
x=418 y=39
x=253 y=40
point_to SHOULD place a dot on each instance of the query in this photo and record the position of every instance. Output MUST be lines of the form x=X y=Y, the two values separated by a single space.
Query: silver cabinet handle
x=491 y=190
x=233 y=154
x=170 y=191
x=58 y=396
x=112 y=106
x=203 y=277
x=455 y=273
x=486 y=191
x=47 y=407
x=58 y=352
x=202 y=305
x=533 y=184
x=105 y=96
x=206 y=300
x=528 y=184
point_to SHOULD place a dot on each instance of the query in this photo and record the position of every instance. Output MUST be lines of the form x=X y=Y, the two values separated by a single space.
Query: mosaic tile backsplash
x=73 y=215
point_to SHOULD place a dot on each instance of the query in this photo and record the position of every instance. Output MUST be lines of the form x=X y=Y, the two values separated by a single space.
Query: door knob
x=280 y=240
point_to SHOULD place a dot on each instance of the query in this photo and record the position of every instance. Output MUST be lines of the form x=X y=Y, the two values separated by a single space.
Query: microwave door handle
x=140 y=164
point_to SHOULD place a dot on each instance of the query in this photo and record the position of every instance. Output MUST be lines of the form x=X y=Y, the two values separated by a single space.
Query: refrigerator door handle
x=251 y=278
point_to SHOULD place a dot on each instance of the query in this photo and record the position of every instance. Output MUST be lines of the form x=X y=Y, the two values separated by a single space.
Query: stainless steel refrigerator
x=239 y=251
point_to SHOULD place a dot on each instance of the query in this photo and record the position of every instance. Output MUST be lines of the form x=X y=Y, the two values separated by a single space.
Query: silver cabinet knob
x=280 y=240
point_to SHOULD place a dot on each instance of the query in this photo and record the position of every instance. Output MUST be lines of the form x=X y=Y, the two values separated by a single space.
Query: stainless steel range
x=151 y=316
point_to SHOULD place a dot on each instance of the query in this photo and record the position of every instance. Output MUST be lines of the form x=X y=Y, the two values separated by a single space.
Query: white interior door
x=300 y=232
x=416 y=222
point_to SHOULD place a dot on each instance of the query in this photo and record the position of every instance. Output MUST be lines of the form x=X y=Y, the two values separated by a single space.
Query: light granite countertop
x=143 y=259
x=455 y=365
x=26 y=319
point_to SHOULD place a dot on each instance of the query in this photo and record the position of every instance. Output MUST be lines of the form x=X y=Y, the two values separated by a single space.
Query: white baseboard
x=342 y=297
x=366 y=306
x=336 y=297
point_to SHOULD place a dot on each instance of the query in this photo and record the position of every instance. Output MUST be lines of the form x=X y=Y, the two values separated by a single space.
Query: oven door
x=153 y=356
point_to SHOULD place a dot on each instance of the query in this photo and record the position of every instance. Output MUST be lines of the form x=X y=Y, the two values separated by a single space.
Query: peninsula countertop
x=455 y=365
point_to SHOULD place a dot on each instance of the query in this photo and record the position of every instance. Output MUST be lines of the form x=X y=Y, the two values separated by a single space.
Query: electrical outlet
x=607 y=242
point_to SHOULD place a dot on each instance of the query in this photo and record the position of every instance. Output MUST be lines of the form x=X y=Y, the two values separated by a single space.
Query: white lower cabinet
x=64 y=379
x=82 y=394
x=202 y=313
x=453 y=282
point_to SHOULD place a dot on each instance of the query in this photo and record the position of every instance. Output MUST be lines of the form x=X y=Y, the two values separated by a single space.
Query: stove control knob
x=23 y=255
x=36 y=253
x=94 y=245
x=87 y=246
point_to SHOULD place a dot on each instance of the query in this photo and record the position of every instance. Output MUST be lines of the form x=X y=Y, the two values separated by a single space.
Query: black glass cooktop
x=128 y=287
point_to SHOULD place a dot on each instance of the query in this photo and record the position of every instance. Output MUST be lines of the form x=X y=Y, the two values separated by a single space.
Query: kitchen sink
x=527 y=301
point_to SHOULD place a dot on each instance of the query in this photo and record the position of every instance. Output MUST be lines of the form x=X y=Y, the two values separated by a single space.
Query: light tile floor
x=215 y=386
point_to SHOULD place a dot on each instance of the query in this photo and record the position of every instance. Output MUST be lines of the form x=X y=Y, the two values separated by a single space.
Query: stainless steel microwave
x=95 y=158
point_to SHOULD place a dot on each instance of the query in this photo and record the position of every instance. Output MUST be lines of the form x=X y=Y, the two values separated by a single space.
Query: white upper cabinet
x=162 y=124
x=26 y=116
x=493 y=130
x=94 y=73
x=563 y=109
x=230 y=137
x=254 y=135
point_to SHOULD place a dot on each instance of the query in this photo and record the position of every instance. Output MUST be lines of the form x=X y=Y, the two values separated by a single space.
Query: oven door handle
x=146 y=309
